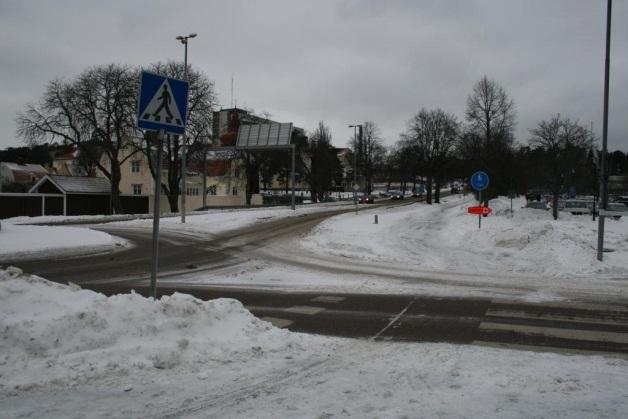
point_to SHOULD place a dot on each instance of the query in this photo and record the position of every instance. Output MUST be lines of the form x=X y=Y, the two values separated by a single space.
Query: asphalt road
x=555 y=327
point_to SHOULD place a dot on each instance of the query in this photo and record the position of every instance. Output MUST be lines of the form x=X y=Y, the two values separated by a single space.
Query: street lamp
x=184 y=41
x=355 y=168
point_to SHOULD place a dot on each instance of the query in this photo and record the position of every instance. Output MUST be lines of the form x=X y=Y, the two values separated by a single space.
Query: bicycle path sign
x=162 y=103
x=479 y=180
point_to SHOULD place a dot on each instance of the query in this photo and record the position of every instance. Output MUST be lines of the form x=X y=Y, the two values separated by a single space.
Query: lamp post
x=355 y=166
x=603 y=169
x=184 y=41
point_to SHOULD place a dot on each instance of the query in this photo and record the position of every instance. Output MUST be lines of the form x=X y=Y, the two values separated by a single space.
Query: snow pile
x=22 y=241
x=59 y=335
x=446 y=238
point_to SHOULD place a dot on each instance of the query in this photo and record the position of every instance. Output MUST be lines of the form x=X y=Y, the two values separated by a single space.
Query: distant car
x=579 y=206
x=622 y=200
x=396 y=196
x=617 y=207
x=537 y=205
x=368 y=199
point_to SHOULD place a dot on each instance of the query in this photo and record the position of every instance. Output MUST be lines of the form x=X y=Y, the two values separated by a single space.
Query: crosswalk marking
x=304 y=310
x=281 y=323
x=519 y=314
x=327 y=299
x=573 y=334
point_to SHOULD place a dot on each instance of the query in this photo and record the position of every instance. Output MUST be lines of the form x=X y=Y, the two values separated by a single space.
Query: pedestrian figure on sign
x=165 y=103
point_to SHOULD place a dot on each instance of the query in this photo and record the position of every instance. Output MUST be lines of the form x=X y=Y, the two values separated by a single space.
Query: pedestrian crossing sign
x=162 y=103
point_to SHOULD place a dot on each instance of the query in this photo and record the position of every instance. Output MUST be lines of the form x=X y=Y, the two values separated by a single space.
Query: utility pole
x=603 y=170
x=184 y=41
x=355 y=166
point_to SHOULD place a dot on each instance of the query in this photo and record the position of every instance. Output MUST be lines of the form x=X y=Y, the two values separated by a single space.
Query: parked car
x=368 y=199
x=396 y=196
x=622 y=200
x=537 y=205
x=618 y=207
x=579 y=206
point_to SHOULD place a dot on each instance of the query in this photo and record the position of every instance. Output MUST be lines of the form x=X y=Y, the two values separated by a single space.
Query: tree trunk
x=428 y=192
x=173 y=200
x=555 y=203
x=437 y=191
x=116 y=205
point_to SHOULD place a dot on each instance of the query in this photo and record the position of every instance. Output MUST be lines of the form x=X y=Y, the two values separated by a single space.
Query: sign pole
x=479 y=216
x=156 y=214
x=293 y=175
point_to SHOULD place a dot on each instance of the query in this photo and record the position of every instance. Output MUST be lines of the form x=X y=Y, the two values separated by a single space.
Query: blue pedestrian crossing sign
x=479 y=180
x=162 y=103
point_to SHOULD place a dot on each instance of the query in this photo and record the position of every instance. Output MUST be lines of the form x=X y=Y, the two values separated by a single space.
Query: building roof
x=34 y=168
x=77 y=184
x=25 y=173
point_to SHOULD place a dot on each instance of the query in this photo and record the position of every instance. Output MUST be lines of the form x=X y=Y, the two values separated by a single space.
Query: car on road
x=396 y=196
x=537 y=205
x=368 y=199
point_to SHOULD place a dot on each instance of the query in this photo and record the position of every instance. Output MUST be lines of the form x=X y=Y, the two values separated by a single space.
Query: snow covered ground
x=23 y=237
x=445 y=238
x=218 y=221
x=67 y=352
x=25 y=241
x=439 y=250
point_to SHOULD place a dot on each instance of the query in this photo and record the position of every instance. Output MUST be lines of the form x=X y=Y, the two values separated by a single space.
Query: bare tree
x=94 y=112
x=490 y=112
x=201 y=103
x=566 y=144
x=491 y=118
x=432 y=136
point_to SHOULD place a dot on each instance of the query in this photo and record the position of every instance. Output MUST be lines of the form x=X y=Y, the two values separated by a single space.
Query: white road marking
x=573 y=334
x=281 y=323
x=517 y=314
x=576 y=306
x=304 y=310
x=535 y=348
x=401 y=313
x=327 y=299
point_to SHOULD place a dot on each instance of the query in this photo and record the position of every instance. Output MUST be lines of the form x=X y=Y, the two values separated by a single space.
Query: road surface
x=550 y=326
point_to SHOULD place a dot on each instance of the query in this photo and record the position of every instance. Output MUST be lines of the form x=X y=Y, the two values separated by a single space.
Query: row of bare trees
x=96 y=113
x=437 y=147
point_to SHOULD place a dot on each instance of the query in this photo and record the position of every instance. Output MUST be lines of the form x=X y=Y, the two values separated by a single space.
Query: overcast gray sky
x=341 y=62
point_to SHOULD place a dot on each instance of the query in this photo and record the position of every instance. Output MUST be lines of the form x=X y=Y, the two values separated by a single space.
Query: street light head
x=179 y=38
x=192 y=35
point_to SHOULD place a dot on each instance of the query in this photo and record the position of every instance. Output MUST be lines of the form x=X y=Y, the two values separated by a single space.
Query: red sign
x=479 y=210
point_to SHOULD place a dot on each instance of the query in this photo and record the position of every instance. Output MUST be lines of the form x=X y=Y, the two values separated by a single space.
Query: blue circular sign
x=479 y=180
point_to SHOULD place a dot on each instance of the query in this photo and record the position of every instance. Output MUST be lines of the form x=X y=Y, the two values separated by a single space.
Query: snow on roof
x=35 y=168
x=78 y=184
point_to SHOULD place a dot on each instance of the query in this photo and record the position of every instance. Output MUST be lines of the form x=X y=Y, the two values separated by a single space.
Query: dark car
x=396 y=195
x=368 y=199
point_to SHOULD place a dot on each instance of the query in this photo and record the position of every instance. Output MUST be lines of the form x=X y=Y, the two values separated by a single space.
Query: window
x=137 y=189
x=212 y=190
x=136 y=165
x=234 y=190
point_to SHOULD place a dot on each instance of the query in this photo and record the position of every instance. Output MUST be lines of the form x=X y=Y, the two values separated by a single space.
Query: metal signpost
x=162 y=108
x=479 y=182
